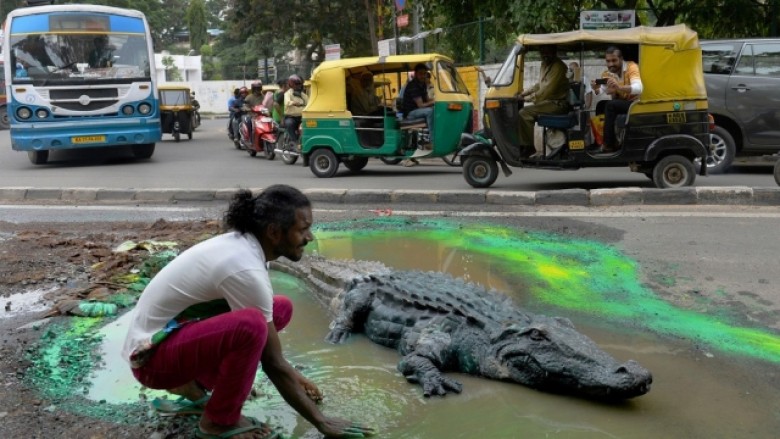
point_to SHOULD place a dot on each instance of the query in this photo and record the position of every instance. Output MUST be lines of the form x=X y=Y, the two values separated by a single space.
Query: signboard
x=402 y=20
x=399 y=4
x=332 y=52
x=601 y=20
x=386 y=47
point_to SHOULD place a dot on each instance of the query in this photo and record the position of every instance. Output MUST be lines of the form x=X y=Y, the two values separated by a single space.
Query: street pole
x=395 y=30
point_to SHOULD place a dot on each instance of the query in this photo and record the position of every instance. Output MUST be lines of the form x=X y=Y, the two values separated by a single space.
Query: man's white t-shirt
x=230 y=266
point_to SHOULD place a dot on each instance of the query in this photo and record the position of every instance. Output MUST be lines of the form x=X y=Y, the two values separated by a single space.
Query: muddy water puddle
x=697 y=393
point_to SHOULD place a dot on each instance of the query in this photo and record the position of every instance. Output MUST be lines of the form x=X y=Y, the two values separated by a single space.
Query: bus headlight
x=24 y=113
x=127 y=110
x=144 y=108
x=42 y=114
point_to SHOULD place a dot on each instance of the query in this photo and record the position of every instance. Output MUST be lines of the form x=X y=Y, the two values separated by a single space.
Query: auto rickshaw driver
x=549 y=96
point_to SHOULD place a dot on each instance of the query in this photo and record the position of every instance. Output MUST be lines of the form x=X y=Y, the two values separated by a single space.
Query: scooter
x=265 y=133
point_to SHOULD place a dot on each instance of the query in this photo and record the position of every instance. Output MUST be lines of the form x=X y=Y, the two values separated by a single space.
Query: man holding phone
x=623 y=83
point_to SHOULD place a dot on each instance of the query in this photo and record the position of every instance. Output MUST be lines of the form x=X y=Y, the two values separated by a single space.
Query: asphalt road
x=210 y=161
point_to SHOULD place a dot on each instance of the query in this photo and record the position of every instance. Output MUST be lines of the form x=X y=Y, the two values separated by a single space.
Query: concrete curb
x=737 y=195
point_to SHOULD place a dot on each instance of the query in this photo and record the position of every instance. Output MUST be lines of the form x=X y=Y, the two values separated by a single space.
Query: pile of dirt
x=74 y=263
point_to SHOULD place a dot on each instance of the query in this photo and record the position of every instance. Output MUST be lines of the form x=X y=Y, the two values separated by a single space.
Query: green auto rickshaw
x=177 y=114
x=334 y=133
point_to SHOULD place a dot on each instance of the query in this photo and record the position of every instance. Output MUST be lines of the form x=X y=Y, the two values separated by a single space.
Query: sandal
x=179 y=407
x=256 y=425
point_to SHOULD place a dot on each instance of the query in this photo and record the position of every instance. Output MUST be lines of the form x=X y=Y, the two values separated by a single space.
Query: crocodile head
x=549 y=354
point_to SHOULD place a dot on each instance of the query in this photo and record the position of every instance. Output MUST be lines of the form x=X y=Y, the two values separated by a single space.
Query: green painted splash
x=571 y=274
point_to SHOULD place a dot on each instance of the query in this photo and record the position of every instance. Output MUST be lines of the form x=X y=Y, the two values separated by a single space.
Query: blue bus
x=80 y=76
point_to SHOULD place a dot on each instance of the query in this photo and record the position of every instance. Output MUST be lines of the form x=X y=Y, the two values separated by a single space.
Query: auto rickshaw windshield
x=506 y=74
x=449 y=80
x=174 y=97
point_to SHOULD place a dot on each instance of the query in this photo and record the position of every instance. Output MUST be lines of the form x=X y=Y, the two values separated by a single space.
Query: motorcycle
x=235 y=123
x=265 y=130
x=288 y=149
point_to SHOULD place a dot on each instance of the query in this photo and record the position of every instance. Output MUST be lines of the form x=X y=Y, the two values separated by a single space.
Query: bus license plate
x=87 y=139
x=675 y=117
x=576 y=144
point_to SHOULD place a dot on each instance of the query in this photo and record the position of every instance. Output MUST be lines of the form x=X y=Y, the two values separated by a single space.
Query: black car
x=743 y=88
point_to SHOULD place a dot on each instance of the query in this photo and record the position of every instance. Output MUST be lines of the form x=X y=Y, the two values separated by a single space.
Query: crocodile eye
x=537 y=335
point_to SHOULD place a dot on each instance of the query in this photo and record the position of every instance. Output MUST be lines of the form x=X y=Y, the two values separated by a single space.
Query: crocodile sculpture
x=439 y=323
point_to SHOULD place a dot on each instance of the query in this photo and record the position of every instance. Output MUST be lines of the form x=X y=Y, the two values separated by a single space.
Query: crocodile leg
x=418 y=369
x=357 y=304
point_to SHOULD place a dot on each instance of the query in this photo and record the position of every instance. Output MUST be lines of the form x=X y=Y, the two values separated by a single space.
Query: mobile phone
x=601 y=81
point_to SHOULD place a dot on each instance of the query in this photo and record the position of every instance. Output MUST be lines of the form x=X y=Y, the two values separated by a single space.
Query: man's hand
x=334 y=427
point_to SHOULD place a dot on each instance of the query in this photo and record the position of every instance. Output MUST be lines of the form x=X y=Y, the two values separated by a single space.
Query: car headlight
x=41 y=113
x=144 y=108
x=127 y=110
x=24 y=113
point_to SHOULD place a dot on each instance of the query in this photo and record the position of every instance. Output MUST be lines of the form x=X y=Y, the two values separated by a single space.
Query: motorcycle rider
x=236 y=111
x=195 y=106
x=253 y=99
x=294 y=102
x=230 y=102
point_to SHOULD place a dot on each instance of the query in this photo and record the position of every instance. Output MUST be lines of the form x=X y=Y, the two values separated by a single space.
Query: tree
x=171 y=71
x=197 y=24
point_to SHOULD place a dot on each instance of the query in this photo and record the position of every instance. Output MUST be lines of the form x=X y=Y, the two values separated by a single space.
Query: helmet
x=257 y=85
x=294 y=81
x=192 y=93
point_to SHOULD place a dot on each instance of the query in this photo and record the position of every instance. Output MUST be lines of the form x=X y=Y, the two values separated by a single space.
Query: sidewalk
x=738 y=195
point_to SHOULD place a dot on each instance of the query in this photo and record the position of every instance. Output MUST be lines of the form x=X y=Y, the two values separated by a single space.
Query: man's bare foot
x=191 y=391
x=263 y=431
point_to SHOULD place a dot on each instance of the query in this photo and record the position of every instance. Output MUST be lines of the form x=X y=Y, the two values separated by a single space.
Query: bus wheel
x=143 y=151
x=323 y=163
x=480 y=171
x=38 y=157
x=4 y=122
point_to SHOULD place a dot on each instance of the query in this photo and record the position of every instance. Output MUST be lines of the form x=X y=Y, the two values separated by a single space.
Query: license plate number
x=576 y=144
x=88 y=139
x=675 y=117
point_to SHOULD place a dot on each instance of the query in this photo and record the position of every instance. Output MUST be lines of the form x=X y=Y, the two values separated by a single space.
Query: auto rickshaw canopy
x=669 y=57
x=329 y=80
x=174 y=96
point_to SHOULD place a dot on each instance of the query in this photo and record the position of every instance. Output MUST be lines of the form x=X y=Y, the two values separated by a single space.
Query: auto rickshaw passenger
x=549 y=96
x=364 y=101
x=294 y=102
x=624 y=85
x=417 y=104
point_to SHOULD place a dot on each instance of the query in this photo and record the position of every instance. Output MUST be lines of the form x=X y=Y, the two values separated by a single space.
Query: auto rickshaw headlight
x=24 y=113
x=41 y=113
x=144 y=108
x=127 y=110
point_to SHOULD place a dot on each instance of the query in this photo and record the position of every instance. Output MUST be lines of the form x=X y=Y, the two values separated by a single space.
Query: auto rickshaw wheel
x=390 y=160
x=673 y=171
x=176 y=136
x=189 y=135
x=38 y=157
x=355 y=164
x=143 y=151
x=480 y=171
x=777 y=172
x=323 y=163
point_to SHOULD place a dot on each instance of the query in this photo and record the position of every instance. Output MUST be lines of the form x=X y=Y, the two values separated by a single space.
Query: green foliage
x=171 y=71
x=197 y=24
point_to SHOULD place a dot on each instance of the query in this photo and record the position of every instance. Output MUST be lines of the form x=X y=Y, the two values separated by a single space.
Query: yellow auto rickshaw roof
x=173 y=87
x=679 y=37
x=328 y=81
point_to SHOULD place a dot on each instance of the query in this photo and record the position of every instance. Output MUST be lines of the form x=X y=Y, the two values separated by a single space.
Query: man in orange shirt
x=624 y=85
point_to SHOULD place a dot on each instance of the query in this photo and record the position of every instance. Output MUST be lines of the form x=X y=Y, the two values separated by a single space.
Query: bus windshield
x=72 y=48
